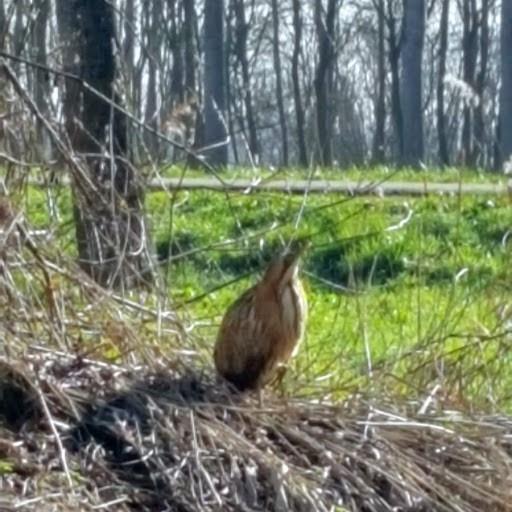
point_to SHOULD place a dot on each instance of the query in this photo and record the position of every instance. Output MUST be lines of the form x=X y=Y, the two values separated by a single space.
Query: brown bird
x=263 y=328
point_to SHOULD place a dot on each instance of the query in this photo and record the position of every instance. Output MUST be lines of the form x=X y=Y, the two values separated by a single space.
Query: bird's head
x=285 y=267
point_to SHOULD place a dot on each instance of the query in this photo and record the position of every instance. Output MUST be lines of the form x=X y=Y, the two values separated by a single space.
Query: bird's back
x=258 y=332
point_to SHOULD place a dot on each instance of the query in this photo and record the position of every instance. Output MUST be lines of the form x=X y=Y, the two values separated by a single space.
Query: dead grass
x=107 y=405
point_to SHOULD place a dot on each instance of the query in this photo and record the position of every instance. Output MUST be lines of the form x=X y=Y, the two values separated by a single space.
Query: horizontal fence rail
x=342 y=187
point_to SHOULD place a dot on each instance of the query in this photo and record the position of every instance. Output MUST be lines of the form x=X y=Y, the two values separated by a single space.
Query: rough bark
x=214 y=129
x=444 y=157
x=411 y=82
x=109 y=225
x=297 y=94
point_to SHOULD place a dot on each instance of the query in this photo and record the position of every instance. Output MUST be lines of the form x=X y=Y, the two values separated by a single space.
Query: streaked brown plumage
x=263 y=328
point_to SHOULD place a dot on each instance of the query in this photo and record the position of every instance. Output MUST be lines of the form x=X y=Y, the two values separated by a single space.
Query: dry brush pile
x=105 y=404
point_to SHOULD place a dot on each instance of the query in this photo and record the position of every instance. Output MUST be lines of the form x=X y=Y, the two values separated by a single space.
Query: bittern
x=263 y=328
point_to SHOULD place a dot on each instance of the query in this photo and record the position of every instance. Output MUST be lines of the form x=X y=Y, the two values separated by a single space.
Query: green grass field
x=405 y=295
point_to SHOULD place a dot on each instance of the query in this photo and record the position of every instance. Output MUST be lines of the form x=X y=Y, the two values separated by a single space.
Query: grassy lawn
x=404 y=295
x=385 y=301
x=377 y=173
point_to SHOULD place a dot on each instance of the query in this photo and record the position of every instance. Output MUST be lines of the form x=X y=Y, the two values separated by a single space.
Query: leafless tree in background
x=394 y=49
x=378 y=151
x=215 y=136
x=325 y=27
x=294 y=82
x=470 y=53
x=480 y=82
x=3 y=25
x=241 y=61
x=505 y=130
x=297 y=94
x=279 y=82
x=153 y=16
x=411 y=82
x=41 y=86
x=444 y=157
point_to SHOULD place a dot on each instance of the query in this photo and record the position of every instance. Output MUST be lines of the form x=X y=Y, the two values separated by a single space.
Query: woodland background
x=335 y=82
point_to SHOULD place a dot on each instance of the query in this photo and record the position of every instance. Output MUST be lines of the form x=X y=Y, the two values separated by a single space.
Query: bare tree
x=20 y=28
x=242 y=30
x=3 y=25
x=109 y=224
x=325 y=25
x=297 y=95
x=175 y=41
x=394 y=49
x=480 y=83
x=378 y=151
x=190 y=58
x=411 y=82
x=279 y=83
x=153 y=16
x=313 y=95
x=470 y=54
x=441 y=74
x=215 y=137
x=129 y=35
x=506 y=83
x=41 y=77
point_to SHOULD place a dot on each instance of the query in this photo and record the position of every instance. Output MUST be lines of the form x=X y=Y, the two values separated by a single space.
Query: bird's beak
x=292 y=267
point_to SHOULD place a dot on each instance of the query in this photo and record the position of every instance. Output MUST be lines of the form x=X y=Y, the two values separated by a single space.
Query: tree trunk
x=299 y=110
x=41 y=78
x=242 y=30
x=411 y=85
x=279 y=83
x=190 y=57
x=19 y=29
x=151 y=114
x=394 y=48
x=478 y=155
x=323 y=78
x=378 y=151
x=230 y=97
x=69 y=36
x=215 y=137
x=506 y=84
x=110 y=231
x=470 y=49
x=3 y=26
x=129 y=36
x=128 y=61
x=441 y=73
x=176 y=91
